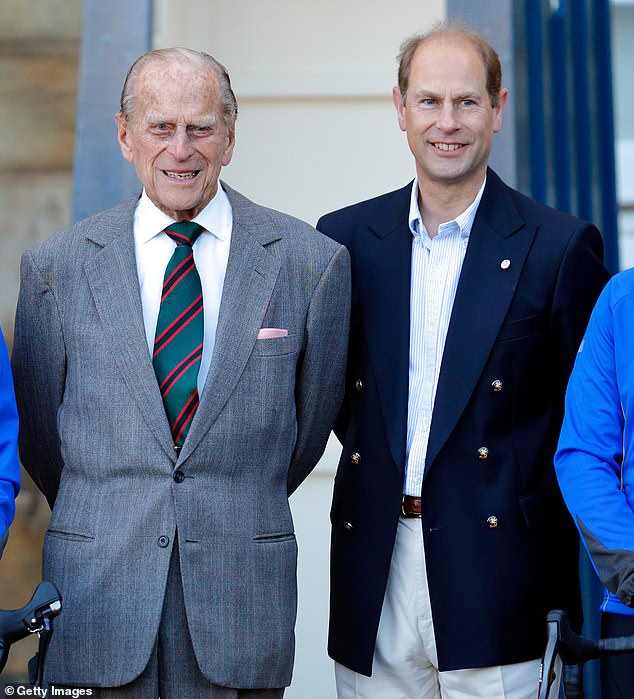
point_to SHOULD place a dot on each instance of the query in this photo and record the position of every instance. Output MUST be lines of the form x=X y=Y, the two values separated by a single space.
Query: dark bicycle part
x=547 y=668
x=574 y=650
x=34 y=617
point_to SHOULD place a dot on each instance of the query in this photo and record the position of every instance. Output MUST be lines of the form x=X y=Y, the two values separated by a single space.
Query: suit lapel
x=249 y=281
x=485 y=291
x=113 y=280
x=383 y=268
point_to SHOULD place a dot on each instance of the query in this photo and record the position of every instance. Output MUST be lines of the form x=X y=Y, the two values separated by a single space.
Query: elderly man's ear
x=123 y=135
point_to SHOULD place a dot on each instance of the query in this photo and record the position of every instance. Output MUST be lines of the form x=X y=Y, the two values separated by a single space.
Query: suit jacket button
x=163 y=541
x=492 y=521
x=483 y=453
x=358 y=385
x=355 y=458
x=179 y=476
x=496 y=385
x=348 y=526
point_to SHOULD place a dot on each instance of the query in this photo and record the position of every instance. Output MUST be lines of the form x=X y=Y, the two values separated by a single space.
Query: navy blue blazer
x=518 y=324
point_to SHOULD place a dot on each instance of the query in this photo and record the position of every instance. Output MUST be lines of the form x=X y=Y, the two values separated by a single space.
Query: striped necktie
x=178 y=344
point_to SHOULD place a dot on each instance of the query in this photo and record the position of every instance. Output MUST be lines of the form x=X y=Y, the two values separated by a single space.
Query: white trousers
x=405 y=662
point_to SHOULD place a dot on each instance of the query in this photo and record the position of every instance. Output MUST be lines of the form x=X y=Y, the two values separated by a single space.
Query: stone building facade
x=39 y=50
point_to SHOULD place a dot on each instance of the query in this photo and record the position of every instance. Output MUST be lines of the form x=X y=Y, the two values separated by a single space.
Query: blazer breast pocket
x=522 y=327
x=277 y=346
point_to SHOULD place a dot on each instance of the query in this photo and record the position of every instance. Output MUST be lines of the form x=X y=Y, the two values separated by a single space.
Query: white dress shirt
x=153 y=249
x=436 y=266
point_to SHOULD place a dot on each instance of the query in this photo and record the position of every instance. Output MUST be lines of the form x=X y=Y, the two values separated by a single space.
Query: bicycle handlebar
x=34 y=617
x=574 y=650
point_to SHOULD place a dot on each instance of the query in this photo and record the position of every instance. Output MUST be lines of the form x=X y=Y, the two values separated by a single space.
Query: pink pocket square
x=270 y=333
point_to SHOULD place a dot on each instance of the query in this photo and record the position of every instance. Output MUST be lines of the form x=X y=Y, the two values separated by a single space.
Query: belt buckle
x=408 y=514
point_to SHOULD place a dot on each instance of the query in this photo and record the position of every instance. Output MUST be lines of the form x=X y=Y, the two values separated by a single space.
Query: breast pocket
x=277 y=346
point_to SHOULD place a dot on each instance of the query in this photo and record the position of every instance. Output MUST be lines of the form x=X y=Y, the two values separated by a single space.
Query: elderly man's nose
x=180 y=145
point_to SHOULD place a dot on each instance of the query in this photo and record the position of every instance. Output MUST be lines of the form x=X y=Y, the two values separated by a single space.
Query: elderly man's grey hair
x=227 y=98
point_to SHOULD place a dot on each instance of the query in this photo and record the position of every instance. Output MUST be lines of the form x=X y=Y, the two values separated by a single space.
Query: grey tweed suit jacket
x=95 y=438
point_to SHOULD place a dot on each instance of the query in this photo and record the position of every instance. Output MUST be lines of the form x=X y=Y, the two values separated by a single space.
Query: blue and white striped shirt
x=436 y=266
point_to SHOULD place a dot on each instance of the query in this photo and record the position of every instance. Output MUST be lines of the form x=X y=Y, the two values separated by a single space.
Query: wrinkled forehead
x=167 y=85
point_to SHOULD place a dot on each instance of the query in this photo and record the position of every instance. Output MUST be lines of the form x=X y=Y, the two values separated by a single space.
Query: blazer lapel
x=383 y=254
x=249 y=281
x=498 y=246
x=113 y=280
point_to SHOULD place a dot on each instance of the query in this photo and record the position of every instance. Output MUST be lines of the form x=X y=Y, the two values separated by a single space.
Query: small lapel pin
x=505 y=264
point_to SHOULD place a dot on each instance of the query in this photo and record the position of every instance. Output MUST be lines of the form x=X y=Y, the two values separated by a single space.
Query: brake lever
x=35 y=617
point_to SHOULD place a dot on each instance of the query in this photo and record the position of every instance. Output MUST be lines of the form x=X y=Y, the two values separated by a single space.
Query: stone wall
x=39 y=49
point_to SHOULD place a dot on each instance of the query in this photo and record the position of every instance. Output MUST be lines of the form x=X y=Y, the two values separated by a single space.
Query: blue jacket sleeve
x=596 y=450
x=9 y=463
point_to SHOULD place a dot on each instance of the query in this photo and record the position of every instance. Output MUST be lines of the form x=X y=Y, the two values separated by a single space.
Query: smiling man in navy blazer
x=450 y=540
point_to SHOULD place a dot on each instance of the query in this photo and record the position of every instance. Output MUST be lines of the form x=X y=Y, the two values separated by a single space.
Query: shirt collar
x=216 y=217
x=464 y=221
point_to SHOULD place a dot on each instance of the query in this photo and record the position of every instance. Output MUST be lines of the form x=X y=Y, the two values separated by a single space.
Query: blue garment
x=595 y=458
x=9 y=463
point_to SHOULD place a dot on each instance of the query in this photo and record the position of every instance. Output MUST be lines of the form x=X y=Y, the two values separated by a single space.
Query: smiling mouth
x=181 y=175
x=447 y=146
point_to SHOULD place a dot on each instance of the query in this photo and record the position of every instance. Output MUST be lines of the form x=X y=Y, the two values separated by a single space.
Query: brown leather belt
x=410 y=506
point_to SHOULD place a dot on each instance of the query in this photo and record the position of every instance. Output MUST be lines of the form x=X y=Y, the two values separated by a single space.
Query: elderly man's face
x=176 y=136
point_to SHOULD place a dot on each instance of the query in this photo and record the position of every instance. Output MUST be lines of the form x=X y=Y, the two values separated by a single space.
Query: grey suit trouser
x=172 y=672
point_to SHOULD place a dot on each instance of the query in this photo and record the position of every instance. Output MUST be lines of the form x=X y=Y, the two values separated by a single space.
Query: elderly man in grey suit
x=179 y=362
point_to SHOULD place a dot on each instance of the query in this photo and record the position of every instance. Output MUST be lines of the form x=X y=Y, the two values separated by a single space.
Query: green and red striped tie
x=178 y=345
